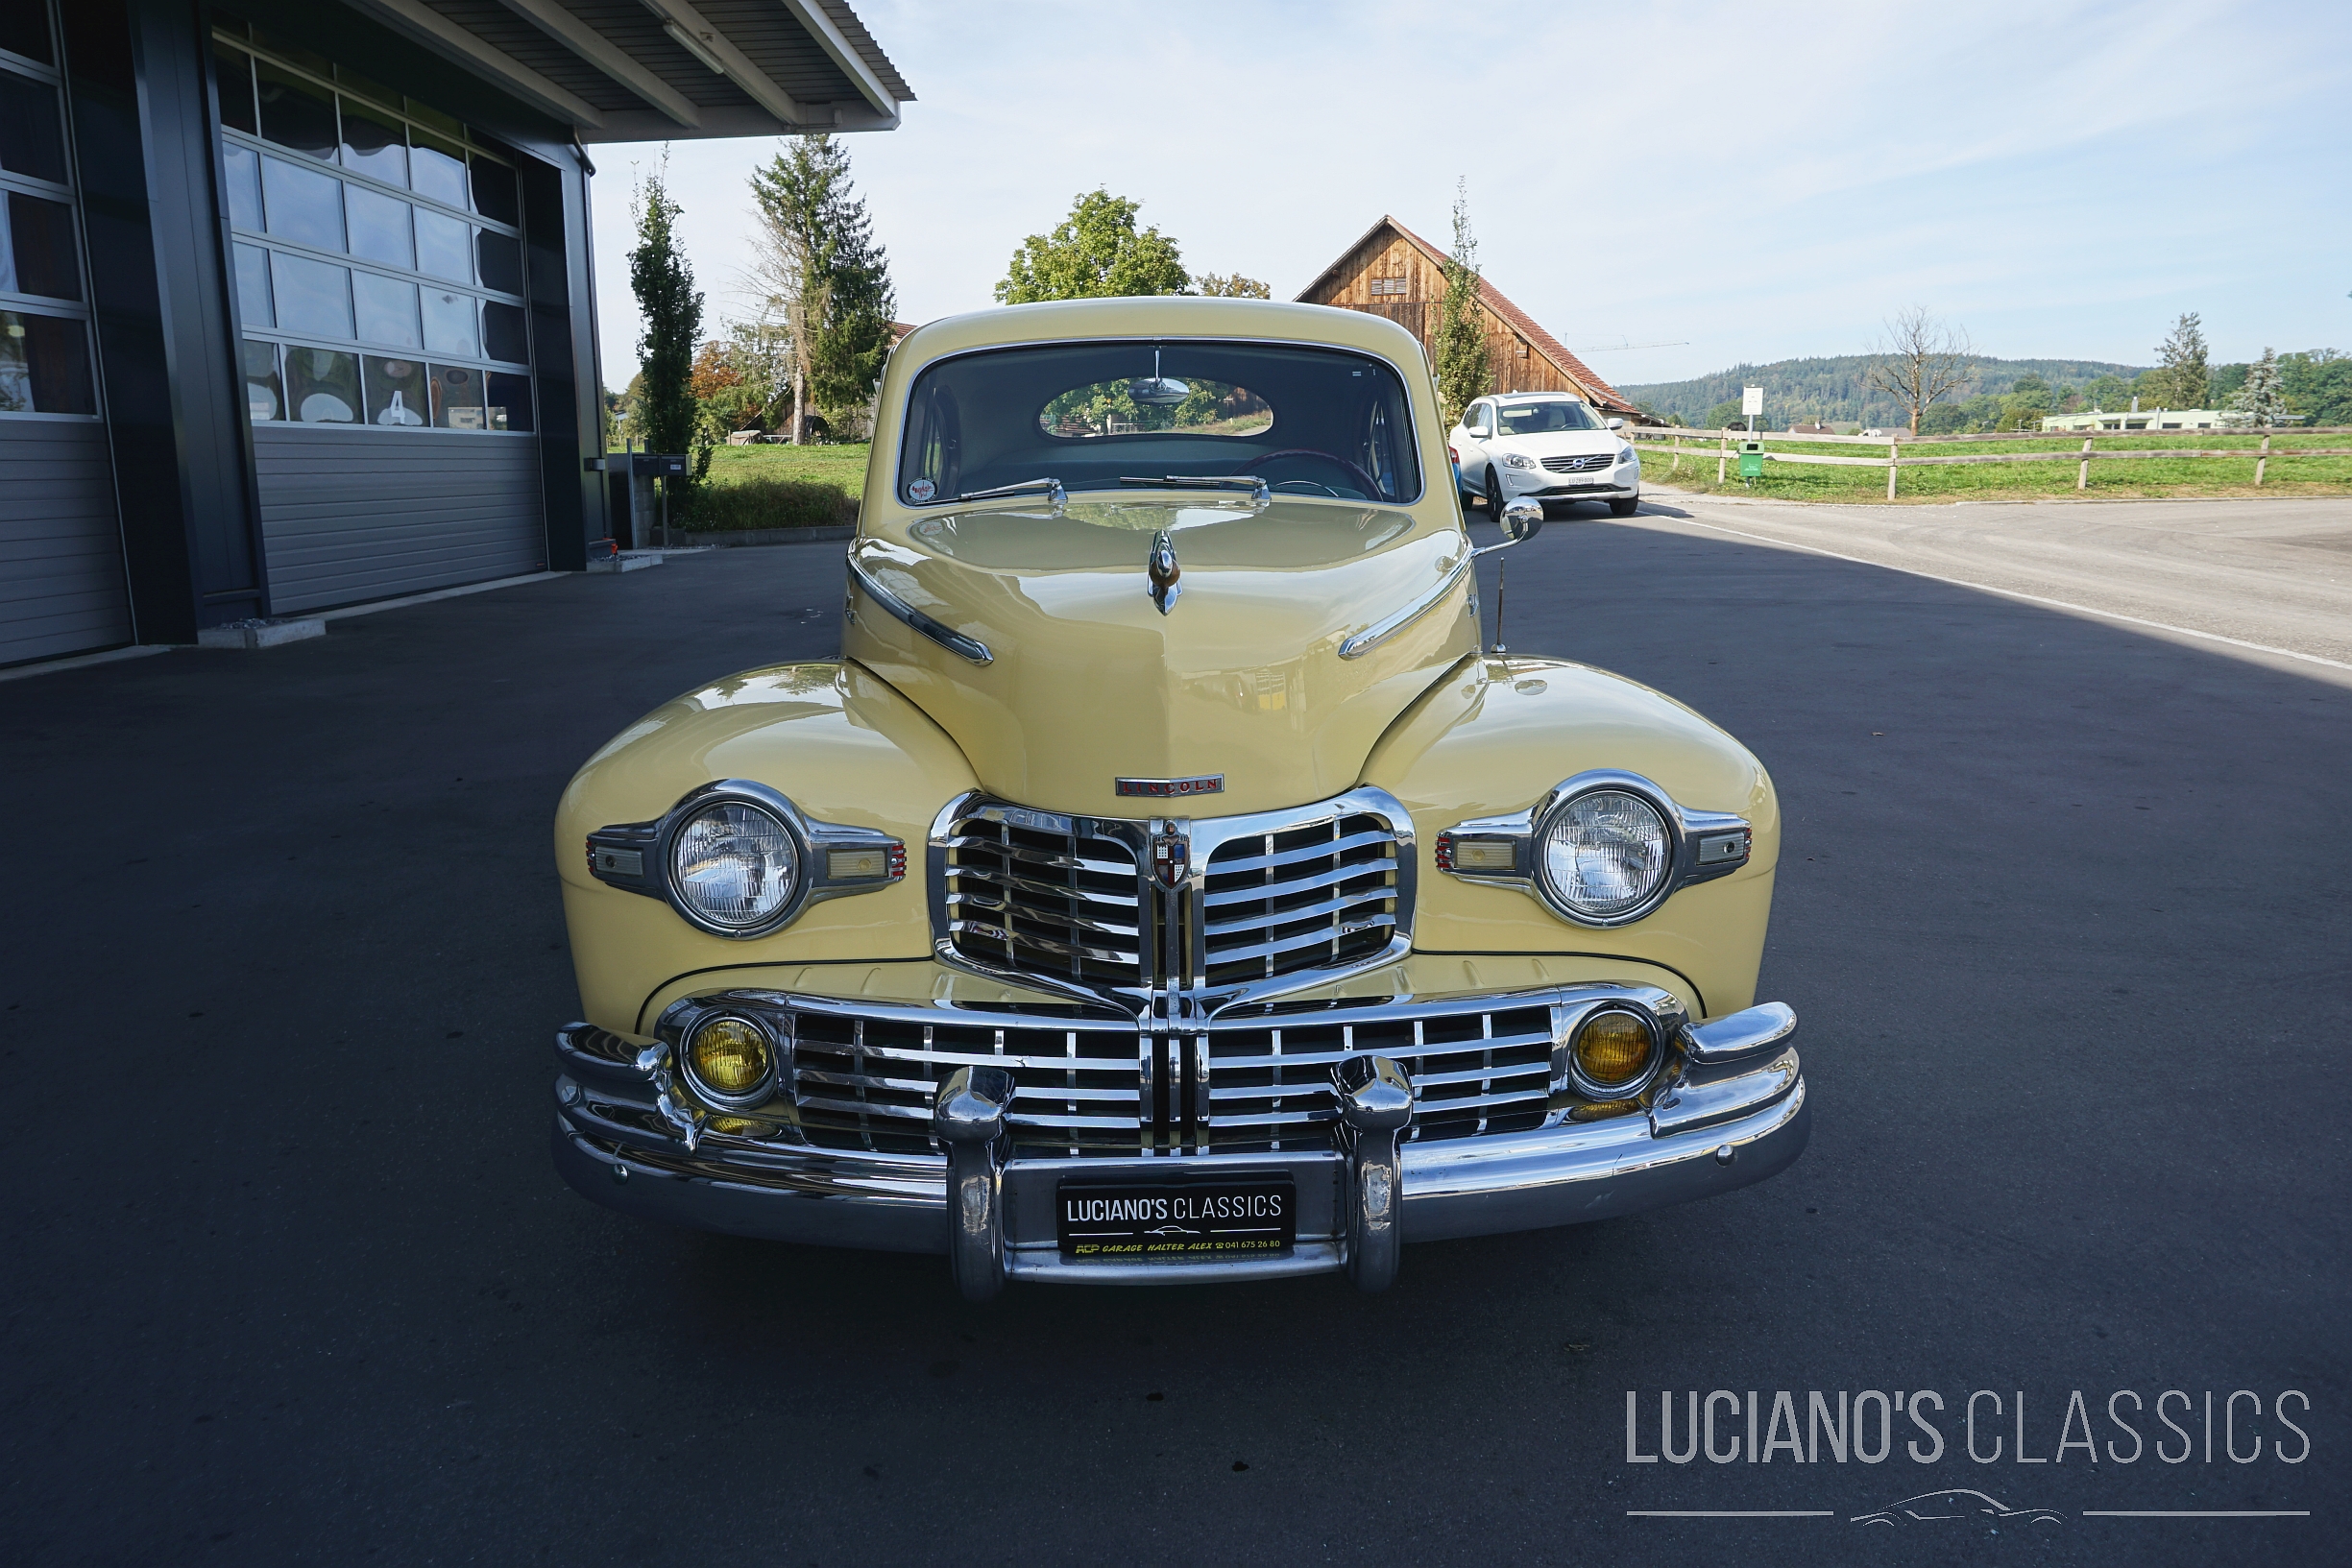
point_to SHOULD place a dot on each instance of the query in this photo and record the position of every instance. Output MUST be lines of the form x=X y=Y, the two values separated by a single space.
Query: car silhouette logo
x=1958 y=1503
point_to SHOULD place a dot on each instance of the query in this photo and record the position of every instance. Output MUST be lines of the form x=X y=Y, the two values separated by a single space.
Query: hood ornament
x=1164 y=571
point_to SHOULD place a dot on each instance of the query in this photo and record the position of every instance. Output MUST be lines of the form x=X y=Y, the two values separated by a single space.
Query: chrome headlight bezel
x=1703 y=846
x=637 y=856
x=1662 y=883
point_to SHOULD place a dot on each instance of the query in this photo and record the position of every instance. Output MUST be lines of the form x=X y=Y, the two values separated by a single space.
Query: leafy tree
x=1464 y=372
x=2180 y=369
x=2318 y=385
x=1231 y=286
x=1095 y=252
x=2262 y=397
x=2030 y=385
x=2108 y=391
x=1723 y=416
x=664 y=411
x=824 y=276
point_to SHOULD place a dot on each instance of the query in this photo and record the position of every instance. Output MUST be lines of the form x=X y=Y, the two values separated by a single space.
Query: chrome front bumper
x=1729 y=1110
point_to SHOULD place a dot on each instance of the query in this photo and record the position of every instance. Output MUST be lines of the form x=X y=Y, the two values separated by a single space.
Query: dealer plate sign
x=1237 y=1216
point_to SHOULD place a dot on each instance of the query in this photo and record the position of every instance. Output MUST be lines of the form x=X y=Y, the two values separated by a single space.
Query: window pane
x=387 y=310
x=243 y=167
x=437 y=168
x=233 y=68
x=296 y=113
x=380 y=227
x=448 y=323
x=44 y=365
x=510 y=402
x=304 y=205
x=39 y=236
x=265 y=396
x=502 y=335
x=501 y=260
x=322 y=386
x=24 y=30
x=375 y=143
x=32 y=131
x=457 y=397
x=253 y=287
x=493 y=192
x=396 y=392
x=444 y=247
x=312 y=297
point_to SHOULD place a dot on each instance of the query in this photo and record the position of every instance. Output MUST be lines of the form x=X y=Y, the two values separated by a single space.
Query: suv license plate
x=1238 y=1216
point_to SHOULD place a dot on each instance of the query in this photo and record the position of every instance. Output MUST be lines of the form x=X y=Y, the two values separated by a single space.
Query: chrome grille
x=1090 y=1087
x=867 y=1082
x=1290 y=900
x=1594 y=463
x=1044 y=894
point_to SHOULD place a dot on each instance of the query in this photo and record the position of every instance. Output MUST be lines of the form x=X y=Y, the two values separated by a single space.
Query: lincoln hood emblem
x=1164 y=571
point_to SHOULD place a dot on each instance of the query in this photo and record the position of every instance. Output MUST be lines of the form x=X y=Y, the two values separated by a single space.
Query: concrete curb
x=766 y=536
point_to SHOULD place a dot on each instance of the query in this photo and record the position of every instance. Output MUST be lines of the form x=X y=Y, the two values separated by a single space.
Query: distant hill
x=1833 y=391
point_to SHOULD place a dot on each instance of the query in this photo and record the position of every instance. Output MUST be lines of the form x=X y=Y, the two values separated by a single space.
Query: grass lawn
x=782 y=487
x=2131 y=478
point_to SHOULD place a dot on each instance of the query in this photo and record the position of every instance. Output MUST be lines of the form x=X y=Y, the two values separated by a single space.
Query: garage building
x=296 y=308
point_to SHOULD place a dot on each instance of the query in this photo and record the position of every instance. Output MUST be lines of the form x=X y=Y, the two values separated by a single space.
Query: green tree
x=2107 y=391
x=1459 y=359
x=1231 y=286
x=2318 y=385
x=1724 y=415
x=1095 y=252
x=2262 y=397
x=2180 y=369
x=825 y=278
x=664 y=411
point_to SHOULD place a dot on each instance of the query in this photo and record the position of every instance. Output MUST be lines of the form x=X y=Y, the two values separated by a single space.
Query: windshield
x=1552 y=414
x=1101 y=416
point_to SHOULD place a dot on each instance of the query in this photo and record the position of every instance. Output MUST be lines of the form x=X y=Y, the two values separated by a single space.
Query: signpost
x=1751 y=404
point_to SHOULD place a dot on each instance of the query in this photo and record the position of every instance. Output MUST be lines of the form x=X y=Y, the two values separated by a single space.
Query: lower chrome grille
x=1086 y=1086
x=1590 y=464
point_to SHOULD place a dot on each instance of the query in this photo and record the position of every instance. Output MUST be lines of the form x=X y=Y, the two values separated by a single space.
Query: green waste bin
x=1751 y=460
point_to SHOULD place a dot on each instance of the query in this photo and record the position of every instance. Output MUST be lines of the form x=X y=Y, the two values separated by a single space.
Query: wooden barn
x=1392 y=271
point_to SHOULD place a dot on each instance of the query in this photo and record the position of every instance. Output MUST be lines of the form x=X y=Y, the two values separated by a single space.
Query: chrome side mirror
x=1616 y=424
x=1523 y=520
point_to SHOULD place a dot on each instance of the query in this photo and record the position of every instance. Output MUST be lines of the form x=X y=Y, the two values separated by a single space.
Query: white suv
x=1543 y=447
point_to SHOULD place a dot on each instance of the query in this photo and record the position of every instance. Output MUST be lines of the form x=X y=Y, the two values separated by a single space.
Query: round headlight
x=1612 y=1054
x=734 y=865
x=730 y=1059
x=1605 y=853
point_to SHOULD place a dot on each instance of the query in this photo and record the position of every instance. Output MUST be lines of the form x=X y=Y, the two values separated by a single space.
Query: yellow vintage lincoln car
x=1165 y=884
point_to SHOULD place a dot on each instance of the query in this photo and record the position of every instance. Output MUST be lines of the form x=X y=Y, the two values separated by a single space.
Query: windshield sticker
x=922 y=490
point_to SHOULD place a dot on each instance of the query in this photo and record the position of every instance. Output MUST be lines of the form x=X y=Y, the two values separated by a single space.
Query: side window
x=1476 y=421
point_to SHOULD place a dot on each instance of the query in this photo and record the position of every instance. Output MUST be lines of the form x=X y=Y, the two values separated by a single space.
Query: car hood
x=1088 y=683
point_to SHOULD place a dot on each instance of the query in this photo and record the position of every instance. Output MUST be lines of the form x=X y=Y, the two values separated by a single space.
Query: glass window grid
x=43 y=304
x=480 y=294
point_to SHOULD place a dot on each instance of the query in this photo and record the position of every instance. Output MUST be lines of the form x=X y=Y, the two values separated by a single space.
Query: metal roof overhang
x=668 y=70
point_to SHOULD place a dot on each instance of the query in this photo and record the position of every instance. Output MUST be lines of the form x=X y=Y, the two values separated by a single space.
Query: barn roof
x=1495 y=301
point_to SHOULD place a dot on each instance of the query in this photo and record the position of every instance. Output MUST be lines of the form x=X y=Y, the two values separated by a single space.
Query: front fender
x=1495 y=733
x=829 y=734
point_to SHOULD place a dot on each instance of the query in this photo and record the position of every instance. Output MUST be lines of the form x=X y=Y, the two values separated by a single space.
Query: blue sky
x=1762 y=181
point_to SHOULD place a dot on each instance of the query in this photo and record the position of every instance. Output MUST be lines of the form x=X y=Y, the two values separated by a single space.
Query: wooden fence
x=1895 y=461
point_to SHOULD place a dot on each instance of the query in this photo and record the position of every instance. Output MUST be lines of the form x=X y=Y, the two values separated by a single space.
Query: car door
x=1469 y=438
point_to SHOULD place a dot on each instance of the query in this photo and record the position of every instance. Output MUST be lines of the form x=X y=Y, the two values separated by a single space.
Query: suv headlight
x=1629 y=455
x=1520 y=460
x=1605 y=853
x=734 y=865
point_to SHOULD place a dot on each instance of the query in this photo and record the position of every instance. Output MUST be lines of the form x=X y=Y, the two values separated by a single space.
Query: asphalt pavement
x=2062 y=910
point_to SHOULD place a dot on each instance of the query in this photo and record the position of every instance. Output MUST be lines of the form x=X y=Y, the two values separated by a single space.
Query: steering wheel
x=1355 y=475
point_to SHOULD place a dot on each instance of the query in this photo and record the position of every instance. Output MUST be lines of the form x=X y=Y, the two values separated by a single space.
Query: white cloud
x=1761 y=183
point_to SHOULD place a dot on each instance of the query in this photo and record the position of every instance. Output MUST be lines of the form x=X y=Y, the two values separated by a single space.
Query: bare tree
x=1920 y=359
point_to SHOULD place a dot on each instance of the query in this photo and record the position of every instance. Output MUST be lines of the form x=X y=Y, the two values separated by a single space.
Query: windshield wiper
x=1048 y=488
x=1250 y=482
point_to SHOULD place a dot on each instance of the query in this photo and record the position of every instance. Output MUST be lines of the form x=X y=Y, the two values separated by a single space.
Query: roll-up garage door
x=348 y=516
x=62 y=588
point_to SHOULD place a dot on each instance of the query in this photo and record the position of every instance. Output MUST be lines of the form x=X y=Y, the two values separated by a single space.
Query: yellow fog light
x=730 y=1060
x=1612 y=1052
